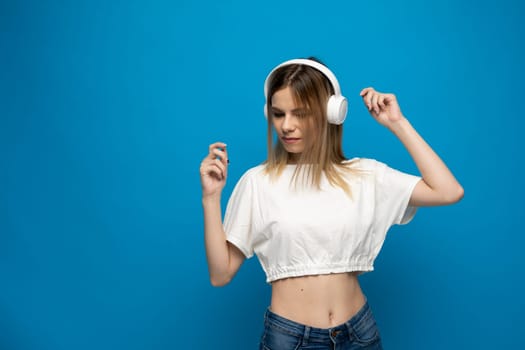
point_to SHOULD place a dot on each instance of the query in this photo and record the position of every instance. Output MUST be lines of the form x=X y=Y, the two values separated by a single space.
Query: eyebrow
x=296 y=110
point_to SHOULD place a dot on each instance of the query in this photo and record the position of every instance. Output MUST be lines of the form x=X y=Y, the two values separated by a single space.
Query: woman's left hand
x=383 y=107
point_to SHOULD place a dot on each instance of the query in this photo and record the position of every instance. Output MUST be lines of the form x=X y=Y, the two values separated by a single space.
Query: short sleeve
x=238 y=218
x=393 y=191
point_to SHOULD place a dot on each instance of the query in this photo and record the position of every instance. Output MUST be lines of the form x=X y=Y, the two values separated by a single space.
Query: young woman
x=314 y=218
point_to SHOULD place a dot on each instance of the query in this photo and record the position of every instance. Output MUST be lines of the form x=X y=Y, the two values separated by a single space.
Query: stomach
x=321 y=301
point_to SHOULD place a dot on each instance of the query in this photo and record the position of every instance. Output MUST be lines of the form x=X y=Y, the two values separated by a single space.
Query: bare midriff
x=321 y=301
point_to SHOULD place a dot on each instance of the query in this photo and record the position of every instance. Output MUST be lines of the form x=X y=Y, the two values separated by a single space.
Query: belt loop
x=306 y=335
x=350 y=331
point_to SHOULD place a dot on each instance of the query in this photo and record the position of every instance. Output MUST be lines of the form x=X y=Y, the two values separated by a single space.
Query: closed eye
x=299 y=113
x=302 y=114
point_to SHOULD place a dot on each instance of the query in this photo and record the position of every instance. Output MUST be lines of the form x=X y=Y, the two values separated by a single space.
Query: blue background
x=107 y=109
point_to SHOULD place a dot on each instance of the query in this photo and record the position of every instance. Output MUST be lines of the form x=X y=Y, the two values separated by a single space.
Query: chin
x=293 y=150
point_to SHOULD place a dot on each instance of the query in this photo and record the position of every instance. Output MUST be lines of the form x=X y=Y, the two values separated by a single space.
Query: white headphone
x=337 y=105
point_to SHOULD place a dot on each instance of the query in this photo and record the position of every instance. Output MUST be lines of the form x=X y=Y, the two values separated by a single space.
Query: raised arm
x=438 y=186
x=224 y=259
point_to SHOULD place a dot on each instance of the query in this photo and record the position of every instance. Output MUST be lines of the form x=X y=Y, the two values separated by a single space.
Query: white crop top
x=297 y=232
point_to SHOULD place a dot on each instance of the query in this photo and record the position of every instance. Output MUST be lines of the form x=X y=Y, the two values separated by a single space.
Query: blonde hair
x=323 y=153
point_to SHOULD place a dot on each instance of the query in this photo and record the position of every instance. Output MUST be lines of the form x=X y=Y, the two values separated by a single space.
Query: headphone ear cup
x=265 y=111
x=336 y=109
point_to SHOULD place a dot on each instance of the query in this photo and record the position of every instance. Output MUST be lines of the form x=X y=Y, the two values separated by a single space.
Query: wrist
x=211 y=199
x=400 y=126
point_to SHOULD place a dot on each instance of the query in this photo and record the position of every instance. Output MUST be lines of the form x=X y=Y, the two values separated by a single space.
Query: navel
x=331 y=315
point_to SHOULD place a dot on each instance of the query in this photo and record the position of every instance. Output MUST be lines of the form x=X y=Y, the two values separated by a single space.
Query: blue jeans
x=360 y=332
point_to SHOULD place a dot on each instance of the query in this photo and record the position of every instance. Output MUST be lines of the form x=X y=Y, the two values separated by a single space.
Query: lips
x=290 y=140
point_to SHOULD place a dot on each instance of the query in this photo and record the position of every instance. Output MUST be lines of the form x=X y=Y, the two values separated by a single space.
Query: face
x=289 y=121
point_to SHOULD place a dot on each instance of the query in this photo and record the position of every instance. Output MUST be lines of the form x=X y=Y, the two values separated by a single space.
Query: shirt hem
x=309 y=271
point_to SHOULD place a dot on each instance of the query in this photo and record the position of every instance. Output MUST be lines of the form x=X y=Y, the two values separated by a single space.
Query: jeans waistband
x=322 y=334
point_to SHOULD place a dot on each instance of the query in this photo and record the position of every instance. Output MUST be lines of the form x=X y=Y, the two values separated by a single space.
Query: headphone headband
x=320 y=67
x=337 y=105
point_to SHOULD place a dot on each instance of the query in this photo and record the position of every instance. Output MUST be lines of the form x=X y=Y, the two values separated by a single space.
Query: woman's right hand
x=214 y=170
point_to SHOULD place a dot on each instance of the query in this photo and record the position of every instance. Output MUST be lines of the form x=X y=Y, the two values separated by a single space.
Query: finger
x=390 y=98
x=216 y=145
x=381 y=101
x=365 y=91
x=221 y=154
x=365 y=97
x=365 y=94
x=374 y=99
x=225 y=158
x=206 y=168
x=218 y=153
x=213 y=170
x=369 y=100
x=215 y=174
x=219 y=164
x=209 y=171
x=207 y=163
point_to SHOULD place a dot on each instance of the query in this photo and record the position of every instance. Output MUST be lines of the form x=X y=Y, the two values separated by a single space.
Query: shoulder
x=253 y=173
x=363 y=164
x=251 y=176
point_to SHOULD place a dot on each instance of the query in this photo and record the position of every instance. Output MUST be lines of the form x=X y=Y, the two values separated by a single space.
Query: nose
x=288 y=124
